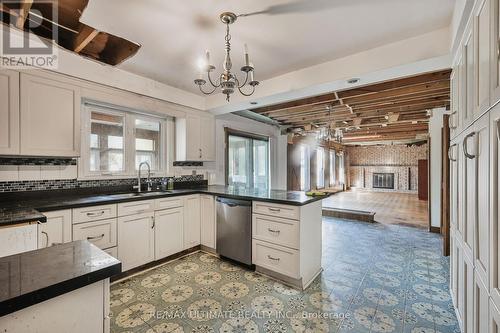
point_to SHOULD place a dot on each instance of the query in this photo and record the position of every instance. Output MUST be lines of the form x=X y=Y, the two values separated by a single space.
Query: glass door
x=247 y=162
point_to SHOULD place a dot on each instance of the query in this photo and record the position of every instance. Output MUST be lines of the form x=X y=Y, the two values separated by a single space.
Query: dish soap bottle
x=170 y=184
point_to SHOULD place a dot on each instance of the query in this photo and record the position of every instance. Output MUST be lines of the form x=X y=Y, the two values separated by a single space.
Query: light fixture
x=228 y=81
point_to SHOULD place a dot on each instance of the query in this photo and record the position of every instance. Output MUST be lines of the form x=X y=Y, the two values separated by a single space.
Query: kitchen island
x=70 y=280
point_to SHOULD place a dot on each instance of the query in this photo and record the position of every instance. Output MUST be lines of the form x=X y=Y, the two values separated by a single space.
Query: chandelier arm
x=249 y=94
x=211 y=82
x=208 y=93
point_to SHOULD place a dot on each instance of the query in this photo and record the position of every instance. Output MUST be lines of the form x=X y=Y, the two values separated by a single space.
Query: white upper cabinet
x=494 y=204
x=9 y=112
x=195 y=138
x=495 y=51
x=50 y=117
x=468 y=75
x=482 y=56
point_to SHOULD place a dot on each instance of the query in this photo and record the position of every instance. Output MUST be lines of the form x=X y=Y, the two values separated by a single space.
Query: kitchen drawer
x=166 y=203
x=284 y=211
x=276 y=258
x=136 y=207
x=112 y=251
x=101 y=233
x=276 y=230
x=93 y=213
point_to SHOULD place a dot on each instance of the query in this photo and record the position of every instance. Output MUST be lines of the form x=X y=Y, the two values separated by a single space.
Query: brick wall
x=398 y=159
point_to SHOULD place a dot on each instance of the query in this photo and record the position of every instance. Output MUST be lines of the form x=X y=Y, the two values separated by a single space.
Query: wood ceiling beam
x=85 y=35
x=328 y=98
x=380 y=138
x=426 y=95
x=24 y=11
x=400 y=92
x=307 y=111
x=375 y=88
x=388 y=105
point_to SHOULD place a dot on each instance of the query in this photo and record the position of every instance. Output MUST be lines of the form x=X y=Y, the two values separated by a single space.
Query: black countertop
x=15 y=204
x=32 y=277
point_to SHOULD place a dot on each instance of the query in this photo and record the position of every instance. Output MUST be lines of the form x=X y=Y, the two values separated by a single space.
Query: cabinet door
x=455 y=97
x=468 y=287
x=169 y=236
x=135 y=240
x=207 y=142
x=481 y=306
x=56 y=230
x=495 y=52
x=191 y=221
x=482 y=227
x=454 y=179
x=208 y=221
x=454 y=271
x=482 y=37
x=469 y=144
x=495 y=203
x=468 y=77
x=193 y=137
x=9 y=112
x=50 y=117
x=494 y=318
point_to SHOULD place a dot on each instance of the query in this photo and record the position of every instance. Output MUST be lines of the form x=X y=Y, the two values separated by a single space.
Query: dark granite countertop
x=17 y=215
x=32 y=277
x=31 y=203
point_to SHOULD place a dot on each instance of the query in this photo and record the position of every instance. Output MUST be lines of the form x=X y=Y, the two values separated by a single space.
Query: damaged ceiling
x=62 y=25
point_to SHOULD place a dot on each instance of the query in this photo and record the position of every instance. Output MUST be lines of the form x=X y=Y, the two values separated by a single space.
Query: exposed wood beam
x=288 y=105
x=85 y=35
x=24 y=11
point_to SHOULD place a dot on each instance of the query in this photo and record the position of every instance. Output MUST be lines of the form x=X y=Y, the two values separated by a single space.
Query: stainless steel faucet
x=148 y=182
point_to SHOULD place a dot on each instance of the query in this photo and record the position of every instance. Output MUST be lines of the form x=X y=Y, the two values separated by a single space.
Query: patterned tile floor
x=377 y=278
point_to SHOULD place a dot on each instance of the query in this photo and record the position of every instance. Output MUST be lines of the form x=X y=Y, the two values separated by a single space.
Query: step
x=350 y=214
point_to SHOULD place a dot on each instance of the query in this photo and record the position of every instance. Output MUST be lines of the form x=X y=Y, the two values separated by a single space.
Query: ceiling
x=174 y=34
x=389 y=111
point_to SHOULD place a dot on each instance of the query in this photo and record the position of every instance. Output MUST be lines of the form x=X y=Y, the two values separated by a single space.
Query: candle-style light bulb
x=251 y=73
x=247 y=58
x=207 y=57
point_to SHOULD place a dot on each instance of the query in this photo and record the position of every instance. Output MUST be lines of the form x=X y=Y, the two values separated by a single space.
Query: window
x=247 y=160
x=341 y=168
x=332 y=168
x=115 y=142
x=305 y=174
x=320 y=168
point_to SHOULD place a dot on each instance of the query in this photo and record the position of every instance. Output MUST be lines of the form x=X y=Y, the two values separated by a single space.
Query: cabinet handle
x=498 y=130
x=450 y=155
x=95 y=214
x=154 y=223
x=272 y=258
x=95 y=237
x=464 y=144
x=277 y=210
x=46 y=238
x=274 y=231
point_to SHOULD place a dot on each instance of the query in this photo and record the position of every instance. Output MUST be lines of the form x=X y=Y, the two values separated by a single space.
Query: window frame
x=129 y=152
x=333 y=167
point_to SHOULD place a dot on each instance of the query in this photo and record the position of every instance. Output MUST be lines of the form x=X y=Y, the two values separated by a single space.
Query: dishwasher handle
x=233 y=202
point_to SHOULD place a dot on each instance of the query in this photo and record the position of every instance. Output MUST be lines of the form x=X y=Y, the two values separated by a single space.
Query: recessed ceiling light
x=414 y=122
x=353 y=80
x=384 y=125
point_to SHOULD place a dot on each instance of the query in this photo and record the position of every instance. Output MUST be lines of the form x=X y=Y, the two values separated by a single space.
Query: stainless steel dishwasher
x=234 y=229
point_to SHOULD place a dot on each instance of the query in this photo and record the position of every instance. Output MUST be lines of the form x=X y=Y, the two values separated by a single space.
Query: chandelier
x=227 y=81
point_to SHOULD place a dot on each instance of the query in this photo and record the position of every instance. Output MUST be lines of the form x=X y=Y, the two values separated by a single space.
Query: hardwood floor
x=390 y=208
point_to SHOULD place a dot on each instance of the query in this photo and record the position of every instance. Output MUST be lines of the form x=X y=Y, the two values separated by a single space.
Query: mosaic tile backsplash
x=43 y=185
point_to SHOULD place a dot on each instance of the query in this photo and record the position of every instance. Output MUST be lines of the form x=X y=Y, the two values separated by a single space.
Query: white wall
x=278 y=146
x=435 y=126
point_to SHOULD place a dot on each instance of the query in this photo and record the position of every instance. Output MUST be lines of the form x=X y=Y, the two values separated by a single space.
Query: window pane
x=248 y=162
x=106 y=142
x=320 y=168
x=147 y=142
x=332 y=168
x=260 y=164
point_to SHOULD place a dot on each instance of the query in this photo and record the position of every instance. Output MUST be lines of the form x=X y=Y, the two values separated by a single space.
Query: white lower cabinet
x=481 y=306
x=101 y=233
x=468 y=287
x=168 y=232
x=192 y=221
x=208 y=227
x=56 y=230
x=494 y=204
x=135 y=240
x=276 y=258
x=494 y=318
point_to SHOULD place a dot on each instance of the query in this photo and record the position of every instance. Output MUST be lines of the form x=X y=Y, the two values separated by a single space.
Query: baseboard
x=436 y=230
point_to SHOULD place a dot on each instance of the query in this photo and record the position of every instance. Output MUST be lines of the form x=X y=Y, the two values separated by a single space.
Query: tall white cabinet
x=9 y=112
x=474 y=172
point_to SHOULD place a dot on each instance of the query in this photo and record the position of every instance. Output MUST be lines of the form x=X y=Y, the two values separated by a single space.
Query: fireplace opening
x=383 y=180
